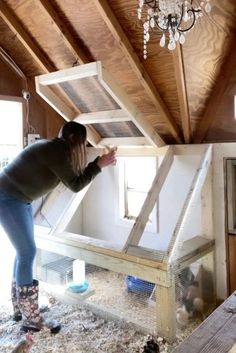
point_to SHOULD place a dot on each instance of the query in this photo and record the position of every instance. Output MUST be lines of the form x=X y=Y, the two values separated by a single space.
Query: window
x=11 y=142
x=11 y=130
x=136 y=175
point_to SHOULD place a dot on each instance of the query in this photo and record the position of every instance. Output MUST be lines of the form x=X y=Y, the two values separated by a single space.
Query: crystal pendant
x=171 y=45
x=208 y=7
x=139 y=14
x=152 y=22
x=182 y=38
x=147 y=37
x=176 y=36
x=141 y=3
x=163 y=40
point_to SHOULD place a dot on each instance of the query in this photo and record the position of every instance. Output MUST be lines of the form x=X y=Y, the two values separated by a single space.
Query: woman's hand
x=107 y=159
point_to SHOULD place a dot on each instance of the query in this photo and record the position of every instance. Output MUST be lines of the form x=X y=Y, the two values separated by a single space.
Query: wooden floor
x=217 y=334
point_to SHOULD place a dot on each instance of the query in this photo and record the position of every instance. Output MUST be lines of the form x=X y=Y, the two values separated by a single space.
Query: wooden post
x=166 y=310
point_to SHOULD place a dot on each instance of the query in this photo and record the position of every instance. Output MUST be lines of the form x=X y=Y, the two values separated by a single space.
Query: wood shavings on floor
x=82 y=332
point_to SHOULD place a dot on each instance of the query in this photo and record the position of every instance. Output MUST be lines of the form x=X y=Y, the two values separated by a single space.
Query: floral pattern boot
x=28 y=303
x=17 y=316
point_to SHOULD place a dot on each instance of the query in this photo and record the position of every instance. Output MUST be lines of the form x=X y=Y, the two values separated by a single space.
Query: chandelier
x=172 y=17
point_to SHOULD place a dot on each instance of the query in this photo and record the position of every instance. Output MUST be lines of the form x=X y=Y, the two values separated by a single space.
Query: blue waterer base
x=78 y=288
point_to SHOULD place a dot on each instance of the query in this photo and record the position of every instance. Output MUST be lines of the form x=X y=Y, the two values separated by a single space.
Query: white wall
x=100 y=207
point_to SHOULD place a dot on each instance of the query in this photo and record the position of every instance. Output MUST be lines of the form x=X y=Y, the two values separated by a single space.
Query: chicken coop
x=157 y=288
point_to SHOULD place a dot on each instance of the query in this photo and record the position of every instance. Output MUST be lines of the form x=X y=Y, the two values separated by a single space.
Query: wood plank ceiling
x=186 y=95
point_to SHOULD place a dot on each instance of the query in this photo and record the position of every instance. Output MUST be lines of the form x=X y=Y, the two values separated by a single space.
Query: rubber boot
x=17 y=316
x=28 y=303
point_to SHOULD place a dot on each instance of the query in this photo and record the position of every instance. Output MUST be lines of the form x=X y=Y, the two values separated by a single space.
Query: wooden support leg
x=166 y=312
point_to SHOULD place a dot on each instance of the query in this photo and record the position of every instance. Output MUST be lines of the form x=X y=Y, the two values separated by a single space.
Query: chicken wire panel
x=115 y=295
x=195 y=291
x=152 y=308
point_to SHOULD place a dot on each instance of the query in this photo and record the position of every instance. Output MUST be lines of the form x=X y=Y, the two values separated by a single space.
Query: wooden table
x=217 y=334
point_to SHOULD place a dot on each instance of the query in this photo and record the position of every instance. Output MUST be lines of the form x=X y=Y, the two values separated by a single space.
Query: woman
x=34 y=172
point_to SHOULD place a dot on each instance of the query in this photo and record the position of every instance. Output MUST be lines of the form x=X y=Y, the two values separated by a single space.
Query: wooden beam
x=25 y=38
x=137 y=151
x=101 y=117
x=120 y=96
x=70 y=74
x=61 y=108
x=93 y=136
x=123 y=141
x=182 y=92
x=96 y=247
x=30 y=46
x=141 y=221
x=64 y=33
x=222 y=81
x=177 y=238
x=54 y=101
x=144 y=78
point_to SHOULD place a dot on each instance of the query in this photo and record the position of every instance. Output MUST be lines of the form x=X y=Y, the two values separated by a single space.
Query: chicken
x=151 y=347
x=24 y=345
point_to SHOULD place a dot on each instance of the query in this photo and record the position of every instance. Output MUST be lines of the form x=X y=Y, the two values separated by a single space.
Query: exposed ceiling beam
x=24 y=38
x=182 y=92
x=226 y=73
x=38 y=55
x=144 y=78
x=29 y=44
x=65 y=34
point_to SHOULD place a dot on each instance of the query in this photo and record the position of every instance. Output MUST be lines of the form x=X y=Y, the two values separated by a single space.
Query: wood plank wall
x=44 y=120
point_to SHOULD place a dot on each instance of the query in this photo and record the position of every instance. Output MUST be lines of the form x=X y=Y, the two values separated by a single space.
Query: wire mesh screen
x=195 y=291
x=137 y=301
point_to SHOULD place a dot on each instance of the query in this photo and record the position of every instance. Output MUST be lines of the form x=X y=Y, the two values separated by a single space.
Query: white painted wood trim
x=69 y=74
x=101 y=117
x=123 y=141
x=69 y=212
x=54 y=101
x=194 y=191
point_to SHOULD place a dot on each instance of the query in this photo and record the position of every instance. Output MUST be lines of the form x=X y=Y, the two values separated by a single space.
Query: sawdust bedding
x=82 y=332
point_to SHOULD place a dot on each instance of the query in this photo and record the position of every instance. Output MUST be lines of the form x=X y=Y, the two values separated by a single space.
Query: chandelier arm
x=161 y=28
x=193 y=22
x=181 y=18
x=152 y=6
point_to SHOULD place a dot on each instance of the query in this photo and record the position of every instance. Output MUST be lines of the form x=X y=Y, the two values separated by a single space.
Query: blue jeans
x=16 y=218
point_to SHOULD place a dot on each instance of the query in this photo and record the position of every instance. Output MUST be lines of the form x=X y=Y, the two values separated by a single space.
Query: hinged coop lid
x=89 y=95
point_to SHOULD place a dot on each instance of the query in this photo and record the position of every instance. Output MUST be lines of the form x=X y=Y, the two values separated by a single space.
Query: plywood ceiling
x=186 y=95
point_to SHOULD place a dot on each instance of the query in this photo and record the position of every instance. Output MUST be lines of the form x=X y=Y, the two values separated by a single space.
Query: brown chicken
x=24 y=345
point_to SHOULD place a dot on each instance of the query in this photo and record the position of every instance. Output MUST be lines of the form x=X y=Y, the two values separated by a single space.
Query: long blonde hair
x=79 y=158
x=75 y=135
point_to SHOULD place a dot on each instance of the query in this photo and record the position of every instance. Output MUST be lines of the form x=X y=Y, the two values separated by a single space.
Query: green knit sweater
x=40 y=167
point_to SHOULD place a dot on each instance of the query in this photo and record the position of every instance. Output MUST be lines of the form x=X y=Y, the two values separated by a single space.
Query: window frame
x=8 y=98
x=121 y=220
